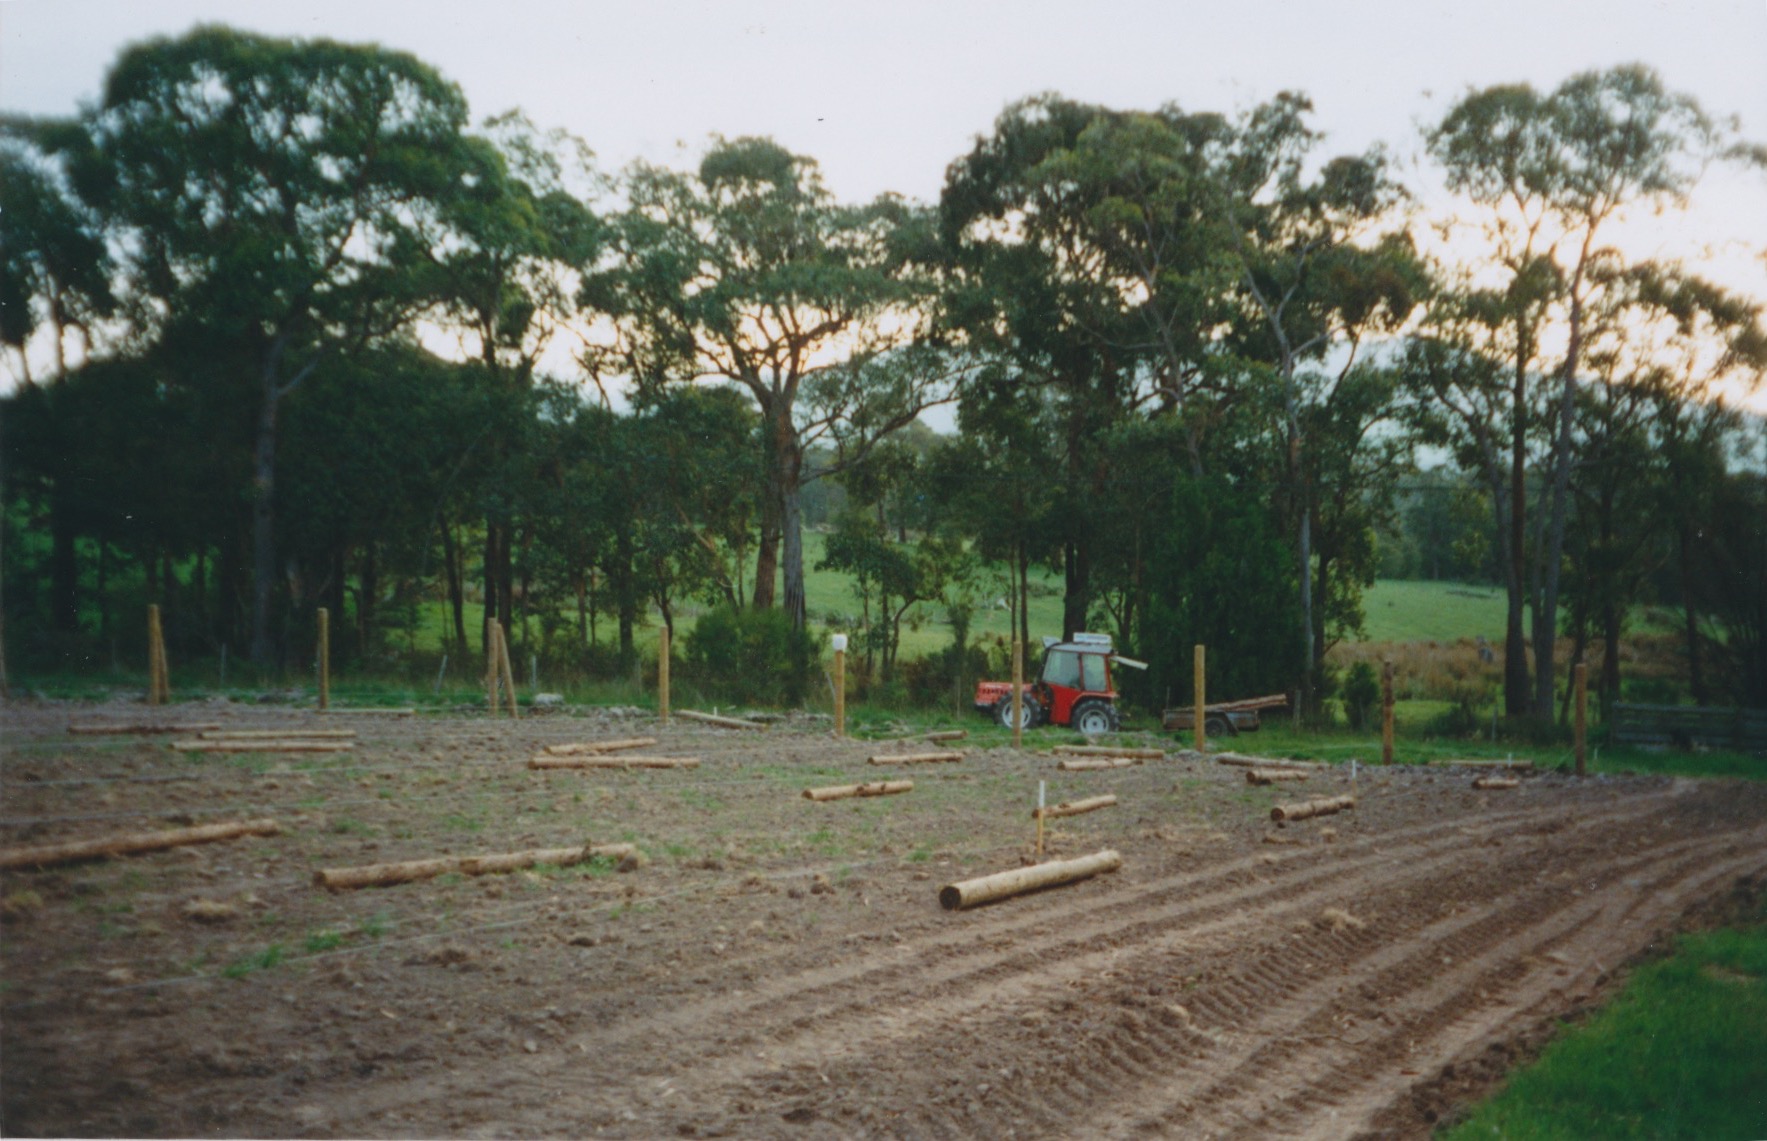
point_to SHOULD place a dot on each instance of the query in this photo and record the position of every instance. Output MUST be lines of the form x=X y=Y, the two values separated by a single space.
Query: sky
x=885 y=96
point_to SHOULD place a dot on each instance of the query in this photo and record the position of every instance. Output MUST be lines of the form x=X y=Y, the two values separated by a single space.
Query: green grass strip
x=1682 y=1052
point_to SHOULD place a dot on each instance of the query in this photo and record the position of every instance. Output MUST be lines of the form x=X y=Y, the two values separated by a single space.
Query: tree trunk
x=626 y=598
x=367 y=600
x=1077 y=598
x=64 y=567
x=788 y=458
x=263 y=651
x=1515 y=651
x=491 y=564
x=1696 y=678
x=456 y=575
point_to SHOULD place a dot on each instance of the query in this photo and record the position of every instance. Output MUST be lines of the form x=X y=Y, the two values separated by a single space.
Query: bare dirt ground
x=780 y=967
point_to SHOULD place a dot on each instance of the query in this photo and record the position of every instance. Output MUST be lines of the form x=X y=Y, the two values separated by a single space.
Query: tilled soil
x=777 y=967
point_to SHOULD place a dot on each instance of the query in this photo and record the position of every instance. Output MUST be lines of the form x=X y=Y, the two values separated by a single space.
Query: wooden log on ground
x=1107 y=751
x=46 y=854
x=396 y=711
x=986 y=889
x=410 y=871
x=278 y=735
x=915 y=758
x=1496 y=782
x=719 y=721
x=178 y=727
x=945 y=735
x=1074 y=808
x=1244 y=761
x=600 y=746
x=1512 y=763
x=616 y=761
x=1308 y=808
x=874 y=788
x=1271 y=776
x=1085 y=764
x=263 y=745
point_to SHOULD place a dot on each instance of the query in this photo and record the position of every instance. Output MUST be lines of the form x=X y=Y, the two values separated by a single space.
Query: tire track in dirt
x=1467 y=954
x=834 y=1010
x=1111 y=1060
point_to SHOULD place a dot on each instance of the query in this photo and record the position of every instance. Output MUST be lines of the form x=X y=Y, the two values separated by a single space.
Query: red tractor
x=1073 y=688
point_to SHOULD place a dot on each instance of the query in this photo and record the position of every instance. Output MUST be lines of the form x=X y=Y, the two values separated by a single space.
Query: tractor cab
x=1073 y=688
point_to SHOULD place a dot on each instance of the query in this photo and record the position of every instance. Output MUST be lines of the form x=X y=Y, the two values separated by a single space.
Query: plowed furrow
x=1458 y=957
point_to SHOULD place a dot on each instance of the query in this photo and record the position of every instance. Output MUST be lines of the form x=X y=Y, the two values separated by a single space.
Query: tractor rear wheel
x=1030 y=712
x=1094 y=717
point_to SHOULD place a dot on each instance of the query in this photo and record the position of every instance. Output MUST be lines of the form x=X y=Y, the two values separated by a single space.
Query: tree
x=749 y=272
x=1547 y=174
x=277 y=193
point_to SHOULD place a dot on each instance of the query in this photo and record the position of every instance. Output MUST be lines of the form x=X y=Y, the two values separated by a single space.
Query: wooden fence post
x=662 y=674
x=158 y=685
x=493 y=666
x=1200 y=689
x=839 y=642
x=324 y=659
x=1582 y=722
x=1386 y=712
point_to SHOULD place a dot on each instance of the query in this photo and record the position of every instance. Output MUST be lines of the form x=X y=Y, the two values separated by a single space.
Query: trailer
x=1224 y=718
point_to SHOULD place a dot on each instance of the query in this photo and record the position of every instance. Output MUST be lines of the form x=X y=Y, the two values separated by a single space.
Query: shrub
x=1361 y=695
x=753 y=655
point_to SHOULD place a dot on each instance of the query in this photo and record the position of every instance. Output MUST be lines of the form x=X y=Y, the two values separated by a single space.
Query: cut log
x=1307 y=808
x=179 y=727
x=1496 y=782
x=279 y=735
x=409 y=871
x=1001 y=885
x=267 y=745
x=399 y=711
x=1108 y=751
x=945 y=735
x=1271 y=776
x=1244 y=761
x=720 y=722
x=47 y=854
x=600 y=746
x=1085 y=764
x=1512 y=763
x=1074 y=808
x=874 y=788
x=618 y=761
x=915 y=758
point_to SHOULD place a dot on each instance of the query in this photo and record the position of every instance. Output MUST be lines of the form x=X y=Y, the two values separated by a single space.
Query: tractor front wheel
x=1093 y=717
x=1029 y=711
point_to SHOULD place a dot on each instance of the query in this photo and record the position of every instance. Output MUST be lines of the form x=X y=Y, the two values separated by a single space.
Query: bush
x=1361 y=695
x=752 y=655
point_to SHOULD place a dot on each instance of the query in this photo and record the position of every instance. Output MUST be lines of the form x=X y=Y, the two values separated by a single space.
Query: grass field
x=1396 y=611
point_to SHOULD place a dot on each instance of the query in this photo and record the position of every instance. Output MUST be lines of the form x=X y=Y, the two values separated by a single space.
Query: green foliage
x=753 y=655
x=1223 y=578
x=1361 y=693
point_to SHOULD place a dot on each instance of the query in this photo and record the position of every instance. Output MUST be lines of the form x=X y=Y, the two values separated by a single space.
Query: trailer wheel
x=1093 y=717
x=1030 y=714
x=1218 y=727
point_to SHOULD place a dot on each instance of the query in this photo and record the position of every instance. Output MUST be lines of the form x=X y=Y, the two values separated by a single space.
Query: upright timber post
x=493 y=665
x=158 y=686
x=839 y=642
x=1582 y=723
x=1386 y=712
x=324 y=659
x=1200 y=688
x=508 y=671
x=1018 y=693
x=662 y=675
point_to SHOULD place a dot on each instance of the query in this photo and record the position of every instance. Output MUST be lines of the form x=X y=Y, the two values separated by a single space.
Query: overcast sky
x=884 y=96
